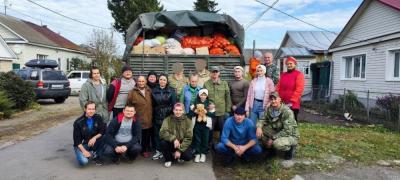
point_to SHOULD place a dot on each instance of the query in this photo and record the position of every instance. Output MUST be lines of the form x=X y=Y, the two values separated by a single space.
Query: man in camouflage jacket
x=278 y=129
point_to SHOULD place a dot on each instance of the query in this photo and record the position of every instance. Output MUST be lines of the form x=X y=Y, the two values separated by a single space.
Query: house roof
x=311 y=40
x=54 y=37
x=392 y=3
x=36 y=34
x=5 y=52
x=296 y=52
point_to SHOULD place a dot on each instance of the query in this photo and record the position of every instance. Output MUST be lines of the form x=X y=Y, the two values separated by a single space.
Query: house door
x=320 y=75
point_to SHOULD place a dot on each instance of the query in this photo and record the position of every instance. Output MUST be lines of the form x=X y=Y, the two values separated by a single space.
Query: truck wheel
x=60 y=99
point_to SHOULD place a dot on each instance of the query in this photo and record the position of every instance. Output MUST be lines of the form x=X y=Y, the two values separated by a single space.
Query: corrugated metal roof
x=312 y=40
x=293 y=51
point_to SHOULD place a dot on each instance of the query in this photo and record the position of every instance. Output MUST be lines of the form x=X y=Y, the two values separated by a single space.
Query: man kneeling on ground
x=278 y=128
x=123 y=135
x=176 y=136
x=88 y=135
x=238 y=138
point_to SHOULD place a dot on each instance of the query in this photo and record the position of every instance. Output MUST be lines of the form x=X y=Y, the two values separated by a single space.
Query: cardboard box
x=139 y=50
x=157 y=50
x=202 y=51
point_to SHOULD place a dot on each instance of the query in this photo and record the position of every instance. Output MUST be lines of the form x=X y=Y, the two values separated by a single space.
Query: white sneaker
x=168 y=164
x=203 y=158
x=157 y=155
x=197 y=158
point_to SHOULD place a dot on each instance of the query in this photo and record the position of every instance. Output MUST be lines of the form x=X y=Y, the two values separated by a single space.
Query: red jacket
x=112 y=93
x=290 y=88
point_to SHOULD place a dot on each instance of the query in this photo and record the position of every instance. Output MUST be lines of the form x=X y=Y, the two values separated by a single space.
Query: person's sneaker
x=197 y=158
x=146 y=154
x=203 y=158
x=290 y=154
x=116 y=160
x=168 y=164
x=157 y=155
x=181 y=161
x=98 y=161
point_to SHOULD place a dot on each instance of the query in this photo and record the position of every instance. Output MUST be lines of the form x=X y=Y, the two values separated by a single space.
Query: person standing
x=258 y=95
x=178 y=79
x=272 y=70
x=238 y=88
x=176 y=136
x=291 y=86
x=202 y=73
x=118 y=90
x=189 y=93
x=123 y=135
x=140 y=97
x=164 y=98
x=88 y=134
x=152 y=80
x=219 y=94
x=94 y=89
x=277 y=129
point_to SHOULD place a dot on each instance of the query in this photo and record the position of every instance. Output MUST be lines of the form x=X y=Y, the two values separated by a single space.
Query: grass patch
x=358 y=145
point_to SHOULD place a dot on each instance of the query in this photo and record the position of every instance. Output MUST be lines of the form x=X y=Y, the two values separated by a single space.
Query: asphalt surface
x=50 y=156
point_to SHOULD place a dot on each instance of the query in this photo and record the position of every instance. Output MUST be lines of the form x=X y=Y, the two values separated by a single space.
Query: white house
x=30 y=41
x=307 y=47
x=366 y=53
x=7 y=56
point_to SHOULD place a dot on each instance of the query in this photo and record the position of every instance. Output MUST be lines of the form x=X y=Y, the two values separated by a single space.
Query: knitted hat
x=126 y=68
x=291 y=59
x=200 y=64
x=239 y=67
x=203 y=91
x=262 y=67
x=258 y=54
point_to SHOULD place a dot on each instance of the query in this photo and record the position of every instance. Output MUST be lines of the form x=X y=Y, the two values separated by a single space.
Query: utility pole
x=5 y=6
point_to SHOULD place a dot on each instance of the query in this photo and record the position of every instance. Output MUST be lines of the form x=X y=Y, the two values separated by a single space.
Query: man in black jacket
x=123 y=135
x=88 y=135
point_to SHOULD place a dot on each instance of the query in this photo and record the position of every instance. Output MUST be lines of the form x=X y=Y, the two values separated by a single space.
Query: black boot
x=270 y=153
x=290 y=154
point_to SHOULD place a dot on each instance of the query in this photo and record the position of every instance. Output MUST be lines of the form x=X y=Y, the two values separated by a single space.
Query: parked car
x=77 y=79
x=49 y=83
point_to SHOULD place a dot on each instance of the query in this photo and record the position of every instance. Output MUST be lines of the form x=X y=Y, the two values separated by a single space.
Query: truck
x=179 y=24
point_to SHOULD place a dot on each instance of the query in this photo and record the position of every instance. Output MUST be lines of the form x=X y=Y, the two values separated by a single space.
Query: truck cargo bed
x=142 y=64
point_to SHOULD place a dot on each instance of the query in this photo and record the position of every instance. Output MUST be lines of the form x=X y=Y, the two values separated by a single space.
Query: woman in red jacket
x=291 y=86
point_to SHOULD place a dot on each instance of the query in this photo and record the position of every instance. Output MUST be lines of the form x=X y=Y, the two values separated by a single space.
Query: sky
x=268 y=31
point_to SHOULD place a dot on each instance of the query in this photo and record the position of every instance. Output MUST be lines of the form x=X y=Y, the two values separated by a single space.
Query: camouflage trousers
x=281 y=144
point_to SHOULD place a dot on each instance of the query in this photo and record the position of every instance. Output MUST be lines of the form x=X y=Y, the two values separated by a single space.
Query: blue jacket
x=186 y=97
x=239 y=134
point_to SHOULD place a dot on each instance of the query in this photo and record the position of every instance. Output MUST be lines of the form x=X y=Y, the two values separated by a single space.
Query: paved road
x=50 y=156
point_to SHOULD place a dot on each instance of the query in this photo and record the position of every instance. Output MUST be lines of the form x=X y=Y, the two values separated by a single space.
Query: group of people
x=174 y=118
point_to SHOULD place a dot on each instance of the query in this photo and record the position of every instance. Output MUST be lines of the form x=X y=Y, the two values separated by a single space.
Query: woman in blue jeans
x=88 y=135
x=258 y=94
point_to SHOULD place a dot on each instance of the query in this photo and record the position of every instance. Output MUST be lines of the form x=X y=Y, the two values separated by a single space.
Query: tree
x=125 y=12
x=103 y=50
x=206 y=6
x=79 y=64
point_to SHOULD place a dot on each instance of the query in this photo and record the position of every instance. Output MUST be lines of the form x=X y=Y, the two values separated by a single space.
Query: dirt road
x=29 y=123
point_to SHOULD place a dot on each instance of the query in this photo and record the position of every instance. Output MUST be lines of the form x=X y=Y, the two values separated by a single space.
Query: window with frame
x=396 y=68
x=354 y=67
x=304 y=66
x=41 y=56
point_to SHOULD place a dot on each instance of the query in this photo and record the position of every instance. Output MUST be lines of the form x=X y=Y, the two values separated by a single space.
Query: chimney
x=45 y=26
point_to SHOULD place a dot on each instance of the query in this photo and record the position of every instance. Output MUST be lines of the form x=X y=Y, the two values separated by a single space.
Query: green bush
x=19 y=91
x=351 y=100
x=391 y=105
x=6 y=106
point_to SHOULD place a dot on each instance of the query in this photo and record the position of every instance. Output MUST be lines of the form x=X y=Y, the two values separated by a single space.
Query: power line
x=255 y=20
x=76 y=20
x=305 y=22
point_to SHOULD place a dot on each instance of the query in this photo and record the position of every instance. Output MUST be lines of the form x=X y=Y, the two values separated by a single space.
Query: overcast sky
x=268 y=31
